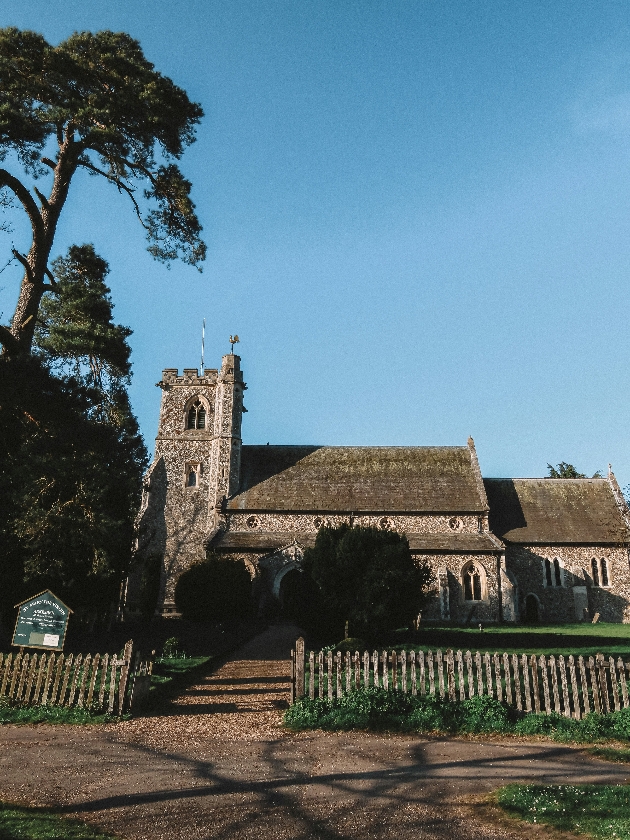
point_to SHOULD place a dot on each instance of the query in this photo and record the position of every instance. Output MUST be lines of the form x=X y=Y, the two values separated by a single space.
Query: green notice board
x=42 y=621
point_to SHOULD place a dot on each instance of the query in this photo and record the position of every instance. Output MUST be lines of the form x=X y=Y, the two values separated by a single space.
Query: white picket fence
x=572 y=687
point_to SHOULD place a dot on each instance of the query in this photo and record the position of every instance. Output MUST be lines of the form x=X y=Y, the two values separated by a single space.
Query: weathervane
x=234 y=339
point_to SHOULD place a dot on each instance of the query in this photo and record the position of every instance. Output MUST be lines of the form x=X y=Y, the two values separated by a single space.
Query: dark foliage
x=376 y=708
x=217 y=589
x=565 y=470
x=364 y=576
x=68 y=490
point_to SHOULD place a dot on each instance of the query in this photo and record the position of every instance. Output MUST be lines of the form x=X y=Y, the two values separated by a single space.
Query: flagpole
x=203 y=338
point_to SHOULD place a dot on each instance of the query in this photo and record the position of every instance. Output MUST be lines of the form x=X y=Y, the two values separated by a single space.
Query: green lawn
x=18 y=823
x=600 y=811
x=170 y=676
x=618 y=755
x=584 y=639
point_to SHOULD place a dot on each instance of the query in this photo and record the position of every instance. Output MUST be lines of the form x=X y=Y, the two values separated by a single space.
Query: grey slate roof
x=548 y=510
x=358 y=478
x=269 y=541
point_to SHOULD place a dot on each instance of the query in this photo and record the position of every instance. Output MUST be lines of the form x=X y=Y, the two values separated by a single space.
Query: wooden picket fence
x=100 y=682
x=572 y=687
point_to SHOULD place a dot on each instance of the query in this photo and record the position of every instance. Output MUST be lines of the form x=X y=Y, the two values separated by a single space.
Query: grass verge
x=377 y=709
x=565 y=639
x=601 y=811
x=11 y=712
x=18 y=823
x=170 y=676
x=620 y=756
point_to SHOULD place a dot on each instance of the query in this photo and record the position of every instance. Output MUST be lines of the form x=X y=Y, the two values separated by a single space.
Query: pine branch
x=24 y=261
x=26 y=200
x=120 y=185
x=8 y=340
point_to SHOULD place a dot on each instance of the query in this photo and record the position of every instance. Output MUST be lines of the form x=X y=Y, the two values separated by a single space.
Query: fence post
x=601 y=667
x=299 y=669
x=124 y=676
x=450 y=674
x=292 y=685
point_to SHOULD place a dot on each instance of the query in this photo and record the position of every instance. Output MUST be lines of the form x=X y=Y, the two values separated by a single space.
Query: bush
x=364 y=576
x=485 y=714
x=218 y=589
x=375 y=708
x=173 y=649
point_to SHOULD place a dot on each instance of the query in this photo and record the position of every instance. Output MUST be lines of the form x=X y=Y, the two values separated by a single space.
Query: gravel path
x=219 y=765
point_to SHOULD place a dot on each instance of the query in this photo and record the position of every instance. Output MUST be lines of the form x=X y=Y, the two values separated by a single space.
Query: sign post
x=41 y=622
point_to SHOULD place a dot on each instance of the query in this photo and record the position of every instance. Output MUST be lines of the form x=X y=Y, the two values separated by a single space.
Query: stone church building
x=501 y=549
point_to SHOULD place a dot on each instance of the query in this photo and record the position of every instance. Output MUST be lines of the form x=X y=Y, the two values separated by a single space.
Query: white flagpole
x=203 y=337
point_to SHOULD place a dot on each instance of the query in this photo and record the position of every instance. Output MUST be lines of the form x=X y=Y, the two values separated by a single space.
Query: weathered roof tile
x=548 y=510
x=358 y=478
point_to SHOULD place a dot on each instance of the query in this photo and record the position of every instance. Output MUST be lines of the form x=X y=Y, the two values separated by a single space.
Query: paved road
x=220 y=766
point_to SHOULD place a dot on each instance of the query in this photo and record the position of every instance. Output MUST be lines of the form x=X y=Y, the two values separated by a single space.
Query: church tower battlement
x=195 y=467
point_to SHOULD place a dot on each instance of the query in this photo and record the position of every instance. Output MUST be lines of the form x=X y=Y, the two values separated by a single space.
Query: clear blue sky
x=417 y=216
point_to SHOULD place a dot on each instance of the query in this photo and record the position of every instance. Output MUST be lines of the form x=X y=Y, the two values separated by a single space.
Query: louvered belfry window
x=197 y=416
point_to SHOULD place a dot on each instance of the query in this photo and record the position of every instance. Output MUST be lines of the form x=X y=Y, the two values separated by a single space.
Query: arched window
x=472 y=583
x=595 y=572
x=599 y=569
x=556 y=572
x=192 y=477
x=196 y=416
x=552 y=572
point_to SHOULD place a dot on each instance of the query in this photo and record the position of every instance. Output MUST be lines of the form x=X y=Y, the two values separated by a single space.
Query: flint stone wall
x=448 y=569
x=557 y=603
x=420 y=523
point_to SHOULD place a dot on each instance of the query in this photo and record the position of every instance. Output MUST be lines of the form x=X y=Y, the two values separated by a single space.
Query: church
x=501 y=549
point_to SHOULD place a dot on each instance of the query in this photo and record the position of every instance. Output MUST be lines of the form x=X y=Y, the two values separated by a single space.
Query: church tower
x=196 y=465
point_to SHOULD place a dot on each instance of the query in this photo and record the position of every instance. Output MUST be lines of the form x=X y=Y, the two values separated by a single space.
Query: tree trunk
x=44 y=221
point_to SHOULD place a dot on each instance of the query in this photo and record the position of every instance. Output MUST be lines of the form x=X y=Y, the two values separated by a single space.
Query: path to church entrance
x=220 y=766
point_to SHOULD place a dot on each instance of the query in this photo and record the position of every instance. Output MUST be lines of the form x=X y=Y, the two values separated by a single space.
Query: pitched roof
x=270 y=541
x=548 y=510
x=359 y=478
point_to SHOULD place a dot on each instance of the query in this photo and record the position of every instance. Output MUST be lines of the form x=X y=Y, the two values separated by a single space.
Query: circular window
x=385 y=524
x=455 y=523
x=252 y=522
x=318 y=522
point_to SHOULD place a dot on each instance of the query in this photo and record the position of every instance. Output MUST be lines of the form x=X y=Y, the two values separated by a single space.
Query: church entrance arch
x=292 y=595
x=532 y=609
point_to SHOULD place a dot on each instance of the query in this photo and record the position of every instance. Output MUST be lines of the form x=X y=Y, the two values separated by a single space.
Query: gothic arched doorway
x=532 y=609
x=292 y=595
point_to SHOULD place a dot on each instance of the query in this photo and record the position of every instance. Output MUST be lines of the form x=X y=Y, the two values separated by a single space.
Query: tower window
x=197 y=416
x=192 y=474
